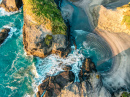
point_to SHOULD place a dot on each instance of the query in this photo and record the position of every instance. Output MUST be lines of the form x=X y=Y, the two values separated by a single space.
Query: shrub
x=48 y=40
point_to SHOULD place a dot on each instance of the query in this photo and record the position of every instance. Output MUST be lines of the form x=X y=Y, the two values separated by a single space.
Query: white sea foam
x=5 y=13
x=12 y=88
x=53 y=64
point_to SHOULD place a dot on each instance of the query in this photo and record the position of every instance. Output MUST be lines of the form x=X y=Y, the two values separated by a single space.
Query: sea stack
x=44 y=32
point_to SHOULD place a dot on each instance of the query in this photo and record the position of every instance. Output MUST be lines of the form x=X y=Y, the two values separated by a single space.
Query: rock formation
x=108 y=20
x=4 y=34
x=43 y=34
x=11 y=5
x=52 y=86
x=63 y=85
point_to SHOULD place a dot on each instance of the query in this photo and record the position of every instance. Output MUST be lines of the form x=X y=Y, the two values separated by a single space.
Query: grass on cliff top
x=47 y=9
x=126 y=18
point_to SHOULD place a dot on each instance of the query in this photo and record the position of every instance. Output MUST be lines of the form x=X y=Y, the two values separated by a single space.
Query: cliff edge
x=44 y=30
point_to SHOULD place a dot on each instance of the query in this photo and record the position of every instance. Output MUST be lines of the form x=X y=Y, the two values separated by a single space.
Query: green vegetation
x=48 y=40
x=126 y=18
x=125 y=94
x=48 y=10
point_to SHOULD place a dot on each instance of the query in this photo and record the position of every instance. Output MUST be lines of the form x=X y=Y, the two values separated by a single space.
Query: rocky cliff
x=112 y=20
x=44 y=30
x=11 y=5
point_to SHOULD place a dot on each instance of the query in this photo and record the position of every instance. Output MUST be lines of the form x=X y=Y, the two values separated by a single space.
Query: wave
x=5 y=13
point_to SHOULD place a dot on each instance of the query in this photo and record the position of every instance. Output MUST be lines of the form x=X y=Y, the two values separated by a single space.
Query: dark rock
x=52 y=86
x=87 y=68
x=67 y=68
x=11 y=5
x=4 y=34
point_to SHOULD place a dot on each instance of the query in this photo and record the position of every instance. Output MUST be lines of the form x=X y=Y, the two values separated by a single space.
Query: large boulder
x=11 y=5
x=52 y=86
x=4 y=34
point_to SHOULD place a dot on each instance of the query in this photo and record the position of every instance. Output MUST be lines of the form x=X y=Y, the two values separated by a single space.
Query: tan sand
x=118 y=41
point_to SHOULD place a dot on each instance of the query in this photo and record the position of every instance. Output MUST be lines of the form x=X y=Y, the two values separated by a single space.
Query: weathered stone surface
x=39 y=39
x=63 y=85
x=53 y=85
x=112 y=23
x=11 y=5
x=34 y=41
x=4 y=34
x=89 y=88
x=87 y=68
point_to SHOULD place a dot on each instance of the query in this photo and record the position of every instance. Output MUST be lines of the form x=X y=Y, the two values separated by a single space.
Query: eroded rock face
x=89 y=88
x=63 y=85
x=52 y=86
x=39 y=39
x=87 y=68
x=4 y=34
x=11 y=5
x=112 y=23
x=34 y=40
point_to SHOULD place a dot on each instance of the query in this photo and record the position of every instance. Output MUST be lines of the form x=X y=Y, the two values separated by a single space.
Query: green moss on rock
x=48 y=40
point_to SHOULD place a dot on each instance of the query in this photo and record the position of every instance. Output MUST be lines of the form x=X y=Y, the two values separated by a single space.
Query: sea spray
x=53 y=65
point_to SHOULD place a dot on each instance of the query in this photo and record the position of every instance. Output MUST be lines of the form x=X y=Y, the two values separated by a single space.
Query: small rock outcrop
x=11 y=5
x=4 y=34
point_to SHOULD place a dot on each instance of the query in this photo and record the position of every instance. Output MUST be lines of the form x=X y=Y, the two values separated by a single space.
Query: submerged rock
x=4 y=34
x=11 y=5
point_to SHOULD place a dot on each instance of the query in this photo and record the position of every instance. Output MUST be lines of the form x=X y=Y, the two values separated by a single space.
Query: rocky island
x=51 y=27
